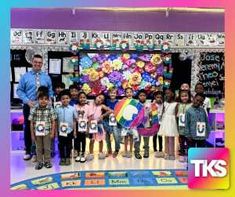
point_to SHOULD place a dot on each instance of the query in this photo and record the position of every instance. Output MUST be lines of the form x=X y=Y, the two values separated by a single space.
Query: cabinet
x=217 y=124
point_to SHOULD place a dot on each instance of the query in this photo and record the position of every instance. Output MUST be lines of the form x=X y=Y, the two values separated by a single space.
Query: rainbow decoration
x=150 y=131
x=154 y=113
x=129 y=113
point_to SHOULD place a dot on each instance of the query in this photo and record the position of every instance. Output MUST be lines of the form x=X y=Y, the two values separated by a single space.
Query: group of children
x=73 y=117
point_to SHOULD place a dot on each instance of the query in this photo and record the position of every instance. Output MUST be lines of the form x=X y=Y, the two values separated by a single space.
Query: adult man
x=27 y=92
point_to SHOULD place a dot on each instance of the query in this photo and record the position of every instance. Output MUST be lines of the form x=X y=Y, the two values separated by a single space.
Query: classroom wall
x=117 y=21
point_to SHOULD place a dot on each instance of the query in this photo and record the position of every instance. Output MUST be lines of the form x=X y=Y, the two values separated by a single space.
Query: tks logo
x=215 y=168
x=208 y=168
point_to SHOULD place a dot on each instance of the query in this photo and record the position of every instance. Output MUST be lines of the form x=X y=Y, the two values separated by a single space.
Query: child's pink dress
x=95 y=111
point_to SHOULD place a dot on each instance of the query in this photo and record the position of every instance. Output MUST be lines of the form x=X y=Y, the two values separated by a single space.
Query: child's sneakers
x=27 y=157
x=138 y=156
x=89 y=157
x=62 y=162
x=101 y=156
x=47 y=164
x=115 y=154
x=39 y=166
x=159 y=154
x=109 y=153
x=129 y=154
x=34 y=158
x=78 y=158
x=146 y=154
x=124 y=154
x=83 y=159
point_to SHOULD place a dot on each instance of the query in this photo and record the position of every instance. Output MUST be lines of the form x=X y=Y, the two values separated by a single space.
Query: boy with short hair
x=196 y=123
x=42 y=126
x=66 y=116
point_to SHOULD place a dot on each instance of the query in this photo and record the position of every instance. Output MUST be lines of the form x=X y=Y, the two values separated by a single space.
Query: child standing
x=42 y=126
x=168 y=127
x=142 y=98
x=129 y=133
x=199 y=89
x=80 y=136
x=95 y=125
x=66 y=116
x=74 y=94
x=59 y=87
x=111 y=126
x=196 y=123
x=158 y=96
x=185 y=86
x=181 y=108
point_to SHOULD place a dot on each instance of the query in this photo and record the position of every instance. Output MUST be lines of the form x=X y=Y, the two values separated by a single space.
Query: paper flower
x=146 y=77
x=135 y=88
x=134 y=56
x=85 y=71
x=144 y=84
x=85 y=62
x=135 y=79
x=110 y=85
x=112 y=57
x=126 y=56
x=105 y=81
x=101 y=74
x=96 y=87
x=106 y=67
x=150 y=68
x=156 y=59
x=140 y=64
x=130 y=62
x=115 y=77
x=117 y=64
x=126 y=74
x=95 y=65
x=121 y=92
x=93 y=75
x=138 y=69
x=86 y=88
x=101 y=58
x=125 y=84
x=160 y=79
x=84 y=79
x=145 y=57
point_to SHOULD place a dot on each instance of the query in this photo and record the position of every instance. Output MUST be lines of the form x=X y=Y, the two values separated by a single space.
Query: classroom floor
x=22 y=170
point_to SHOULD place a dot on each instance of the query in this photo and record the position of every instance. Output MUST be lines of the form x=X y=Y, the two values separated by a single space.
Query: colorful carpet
x=113 y=179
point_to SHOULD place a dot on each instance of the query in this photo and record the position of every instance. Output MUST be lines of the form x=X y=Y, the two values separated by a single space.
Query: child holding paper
x=82 y=109
x=181 y=108
x=96 y=129
x=111 y=126
x=196 y=123
x=42 y=126
x=66 y=116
